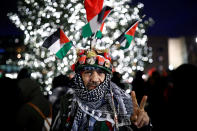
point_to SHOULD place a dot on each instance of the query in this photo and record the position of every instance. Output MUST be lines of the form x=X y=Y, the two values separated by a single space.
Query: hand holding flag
x=58 y=43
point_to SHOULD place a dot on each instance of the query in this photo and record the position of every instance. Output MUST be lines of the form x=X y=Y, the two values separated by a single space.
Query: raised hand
x=140 y=117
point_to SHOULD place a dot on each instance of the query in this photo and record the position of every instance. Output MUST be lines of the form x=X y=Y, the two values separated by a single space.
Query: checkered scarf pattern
x=90 y=95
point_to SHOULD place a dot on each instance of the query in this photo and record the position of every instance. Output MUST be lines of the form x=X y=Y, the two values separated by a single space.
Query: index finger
x=134 y=100
x=143 y=102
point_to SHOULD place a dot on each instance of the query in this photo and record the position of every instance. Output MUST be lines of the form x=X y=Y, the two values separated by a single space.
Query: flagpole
x=91 y=44
x=94 y=37
x=74 y=45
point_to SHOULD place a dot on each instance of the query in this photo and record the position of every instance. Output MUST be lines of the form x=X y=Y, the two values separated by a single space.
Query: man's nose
x=95 y=77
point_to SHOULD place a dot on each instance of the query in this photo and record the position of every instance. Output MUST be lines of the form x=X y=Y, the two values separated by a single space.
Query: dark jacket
x=27 y=117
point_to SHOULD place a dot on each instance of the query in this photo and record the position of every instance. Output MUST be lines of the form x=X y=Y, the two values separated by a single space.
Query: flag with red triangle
x=96 y=22
x=125 y=38
x=58 y=43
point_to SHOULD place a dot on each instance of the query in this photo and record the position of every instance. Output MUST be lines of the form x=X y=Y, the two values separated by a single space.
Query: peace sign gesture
x=140 y=118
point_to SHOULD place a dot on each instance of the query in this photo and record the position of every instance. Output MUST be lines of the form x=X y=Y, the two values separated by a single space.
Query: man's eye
x=88 y=72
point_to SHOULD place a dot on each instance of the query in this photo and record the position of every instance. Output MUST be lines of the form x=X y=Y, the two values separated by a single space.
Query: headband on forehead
x=93 y=58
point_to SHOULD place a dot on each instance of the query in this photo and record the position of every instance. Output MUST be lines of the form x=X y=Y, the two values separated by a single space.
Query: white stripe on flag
x=55 y=47
x=123 y=44
x=94 y=24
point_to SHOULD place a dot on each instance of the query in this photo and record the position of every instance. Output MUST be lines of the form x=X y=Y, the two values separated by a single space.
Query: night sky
x=173 y=18
x=6 y=26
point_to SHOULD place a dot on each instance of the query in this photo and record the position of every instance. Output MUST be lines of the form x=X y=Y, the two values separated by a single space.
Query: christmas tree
x=39 y=19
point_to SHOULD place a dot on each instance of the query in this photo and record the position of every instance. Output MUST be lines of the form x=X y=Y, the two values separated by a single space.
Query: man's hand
x=140 y=118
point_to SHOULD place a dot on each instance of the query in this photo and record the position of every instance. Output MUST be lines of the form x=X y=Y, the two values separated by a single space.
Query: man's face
x=92 y=78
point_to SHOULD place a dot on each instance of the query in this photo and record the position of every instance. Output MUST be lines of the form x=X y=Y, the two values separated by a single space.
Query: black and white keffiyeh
x=90 y=95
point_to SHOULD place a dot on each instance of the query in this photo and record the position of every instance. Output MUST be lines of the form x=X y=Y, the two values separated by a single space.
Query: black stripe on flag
x=121 y=38
x=51 y=39
x=102 y=13
x=131 y=26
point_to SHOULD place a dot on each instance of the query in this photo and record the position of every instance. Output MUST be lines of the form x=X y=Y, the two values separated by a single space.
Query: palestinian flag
x=58 y=43
x=95 y=23
x=126 y=38
x=102 y=15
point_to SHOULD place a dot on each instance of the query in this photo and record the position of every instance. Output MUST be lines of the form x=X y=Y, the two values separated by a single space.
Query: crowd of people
x=82 y=102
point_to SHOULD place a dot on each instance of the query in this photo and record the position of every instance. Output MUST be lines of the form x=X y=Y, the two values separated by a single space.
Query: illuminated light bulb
x=130 y=79
x=18 y=56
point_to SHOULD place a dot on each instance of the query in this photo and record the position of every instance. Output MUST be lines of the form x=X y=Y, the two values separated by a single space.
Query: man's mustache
x=93 y=84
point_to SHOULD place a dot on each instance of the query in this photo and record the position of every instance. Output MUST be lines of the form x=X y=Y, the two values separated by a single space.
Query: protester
x=31 y=115
x=181 y=108
x=60 y=84
x=23 y=73
x=93 y=102
x=116 y=78
x=156 y=85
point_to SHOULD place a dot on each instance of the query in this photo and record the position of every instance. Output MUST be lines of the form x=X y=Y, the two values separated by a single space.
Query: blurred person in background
x=156 y=84
x=23 y=73
x=182 y=108
x=116 y=78
x=60 y=85
x=28 y=117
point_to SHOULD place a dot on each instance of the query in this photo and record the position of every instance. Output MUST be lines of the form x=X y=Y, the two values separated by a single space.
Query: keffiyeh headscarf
x=97 y=103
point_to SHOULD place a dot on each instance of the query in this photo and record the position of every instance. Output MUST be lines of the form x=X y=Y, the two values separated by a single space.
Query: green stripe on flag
x=86 y=30
x=99 y=34
x=129 y=38
x=64 y=50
